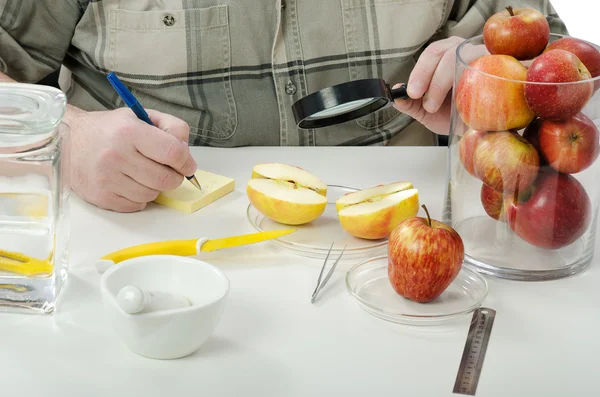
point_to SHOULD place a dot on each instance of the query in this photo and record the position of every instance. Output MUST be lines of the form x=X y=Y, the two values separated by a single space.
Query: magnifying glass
x=344 y=102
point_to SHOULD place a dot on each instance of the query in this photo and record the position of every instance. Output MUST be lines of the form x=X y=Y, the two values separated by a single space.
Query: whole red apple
x=522 y=33
x=466 y=148
x=586 y=52
x=493 y=202
x=505 y=161
x=552 y=213
x=570 y=146
x=558 y=101
x=490 y=96
x=424 y=257
x=531 y=134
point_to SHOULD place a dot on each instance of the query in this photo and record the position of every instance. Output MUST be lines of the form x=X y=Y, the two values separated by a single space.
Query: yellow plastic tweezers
x=16 y=262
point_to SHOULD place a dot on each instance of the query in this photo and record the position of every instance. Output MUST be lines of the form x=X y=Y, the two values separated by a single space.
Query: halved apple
x=371 y=194
x=373 y=213
x=291 y=173
x=286 y=194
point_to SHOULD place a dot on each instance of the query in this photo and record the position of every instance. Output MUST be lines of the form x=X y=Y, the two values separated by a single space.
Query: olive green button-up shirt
x=233 y=68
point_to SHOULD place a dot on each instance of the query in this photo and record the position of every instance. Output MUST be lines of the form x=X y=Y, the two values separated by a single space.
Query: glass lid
x=29 y=113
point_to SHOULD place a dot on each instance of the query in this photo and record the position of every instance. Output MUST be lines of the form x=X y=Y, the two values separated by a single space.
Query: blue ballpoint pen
x=137 y=108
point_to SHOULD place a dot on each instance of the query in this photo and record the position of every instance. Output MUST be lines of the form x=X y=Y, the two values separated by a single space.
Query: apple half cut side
x=290 y=173
x=285 y=202
x=378 y=214
x=371 y=194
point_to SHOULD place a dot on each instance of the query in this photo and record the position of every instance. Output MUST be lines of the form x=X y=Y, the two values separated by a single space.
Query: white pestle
x=134 y=300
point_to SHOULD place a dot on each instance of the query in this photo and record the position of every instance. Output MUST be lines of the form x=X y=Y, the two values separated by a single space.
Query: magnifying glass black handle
x=400 y=92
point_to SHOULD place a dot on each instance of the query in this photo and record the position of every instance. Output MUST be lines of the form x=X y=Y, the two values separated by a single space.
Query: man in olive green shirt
x=225 y=73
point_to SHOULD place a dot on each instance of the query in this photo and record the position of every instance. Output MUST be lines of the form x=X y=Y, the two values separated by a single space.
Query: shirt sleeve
x=467 y=17
x=35 y=36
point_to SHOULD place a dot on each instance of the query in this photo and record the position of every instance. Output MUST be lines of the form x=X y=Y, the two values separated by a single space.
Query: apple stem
x=510 y=11
x=427 y=212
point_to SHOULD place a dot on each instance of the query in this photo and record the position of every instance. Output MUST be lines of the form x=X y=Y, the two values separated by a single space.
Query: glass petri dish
x=368 y=284
x=314 y=239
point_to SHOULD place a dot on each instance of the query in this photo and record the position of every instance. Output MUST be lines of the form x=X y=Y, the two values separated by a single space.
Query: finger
x=132 y=190
x=149 y=173
x=113 y=202
x=165 y=149
x=471 y=52
x=411 y=107
x=171 y=124
x=113 y=180
x=421 y=75
x=441 y=83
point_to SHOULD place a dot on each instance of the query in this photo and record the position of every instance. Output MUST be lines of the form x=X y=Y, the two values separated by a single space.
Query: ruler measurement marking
x=474 y=352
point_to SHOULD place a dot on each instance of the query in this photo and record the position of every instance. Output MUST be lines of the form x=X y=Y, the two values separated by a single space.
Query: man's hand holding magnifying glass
x=430 y=84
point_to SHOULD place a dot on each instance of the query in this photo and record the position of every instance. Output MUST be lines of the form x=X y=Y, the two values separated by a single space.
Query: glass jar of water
x=34 y=194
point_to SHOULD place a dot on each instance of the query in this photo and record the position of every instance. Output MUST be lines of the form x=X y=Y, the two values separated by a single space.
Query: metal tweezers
x=319 y=284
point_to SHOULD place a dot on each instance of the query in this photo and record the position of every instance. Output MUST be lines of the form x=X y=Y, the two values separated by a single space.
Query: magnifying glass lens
x=342 y=108
x=344 y=102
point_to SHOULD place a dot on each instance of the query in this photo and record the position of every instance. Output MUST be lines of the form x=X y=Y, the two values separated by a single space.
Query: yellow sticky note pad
x=187 y=198
x=33 y=205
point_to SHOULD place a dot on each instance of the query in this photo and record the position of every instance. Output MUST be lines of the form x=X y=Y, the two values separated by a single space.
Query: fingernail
x=185 y=143
x=414 y=89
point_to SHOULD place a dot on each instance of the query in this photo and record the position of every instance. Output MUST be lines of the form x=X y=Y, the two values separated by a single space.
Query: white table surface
x=271 y=340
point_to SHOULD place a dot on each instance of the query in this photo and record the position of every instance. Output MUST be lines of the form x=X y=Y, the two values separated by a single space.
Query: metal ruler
x=474 y=352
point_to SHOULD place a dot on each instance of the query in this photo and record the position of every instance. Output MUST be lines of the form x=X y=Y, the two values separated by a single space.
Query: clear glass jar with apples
x=524 y=173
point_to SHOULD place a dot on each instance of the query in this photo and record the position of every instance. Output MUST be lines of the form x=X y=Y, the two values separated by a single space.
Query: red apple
x=552 y=213
x=558 y=101
x=521 y=32
x=490 y=96
x=466 y=148
x=570 y=146
x=493 y=202
x=586 y=52
x=424 y=257
x=531 y=134
x=505 y=161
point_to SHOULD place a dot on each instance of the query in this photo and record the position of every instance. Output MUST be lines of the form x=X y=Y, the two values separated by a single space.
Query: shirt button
x=169 y=20
x=290 y=88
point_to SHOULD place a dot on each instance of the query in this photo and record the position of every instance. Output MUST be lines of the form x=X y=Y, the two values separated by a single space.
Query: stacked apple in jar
x=522 y=113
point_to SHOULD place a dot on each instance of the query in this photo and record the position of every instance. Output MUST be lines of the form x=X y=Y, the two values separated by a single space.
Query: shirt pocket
x=180 y=60
x=382 y=37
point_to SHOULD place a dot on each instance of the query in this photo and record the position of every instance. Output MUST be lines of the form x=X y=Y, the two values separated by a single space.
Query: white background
x=581 y=18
